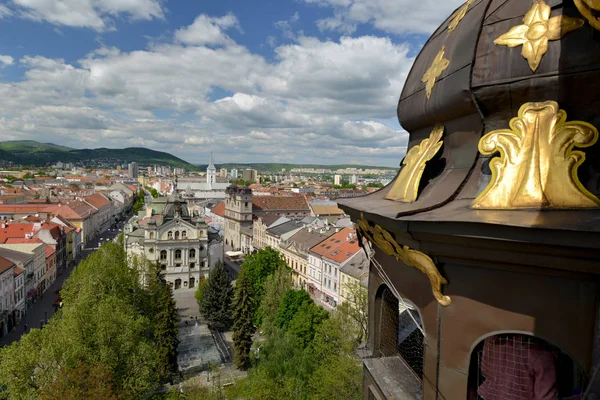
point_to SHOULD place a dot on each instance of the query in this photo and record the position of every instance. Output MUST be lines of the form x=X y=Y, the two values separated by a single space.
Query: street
x=43 y=308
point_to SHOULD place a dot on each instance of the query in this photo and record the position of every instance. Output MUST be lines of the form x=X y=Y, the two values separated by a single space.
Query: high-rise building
x=234 y=173
x=223 y=172
x=337 y=180
x=353 y=179
x=133 y=170
x=250 y=175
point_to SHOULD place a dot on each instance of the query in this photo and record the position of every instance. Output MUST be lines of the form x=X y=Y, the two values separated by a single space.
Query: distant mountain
x=32 y=153
x=277 y=167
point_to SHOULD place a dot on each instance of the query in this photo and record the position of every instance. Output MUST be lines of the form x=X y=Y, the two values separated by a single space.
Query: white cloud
x=393 y=16
x=95 y=14
x=207 y=30
x=317 y=101
x=6 y=60
x=4 y=11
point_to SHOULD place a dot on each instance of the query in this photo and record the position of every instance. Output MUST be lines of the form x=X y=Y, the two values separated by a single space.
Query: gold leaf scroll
x=413 y=258
x=590 y=9
x=406 y=187
x=459 y=15
x=537 y=167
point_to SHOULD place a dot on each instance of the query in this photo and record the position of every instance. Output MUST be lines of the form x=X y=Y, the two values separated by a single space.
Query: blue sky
x=302 y=81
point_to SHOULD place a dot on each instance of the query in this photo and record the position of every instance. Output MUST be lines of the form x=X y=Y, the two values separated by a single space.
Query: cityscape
x=302 y=199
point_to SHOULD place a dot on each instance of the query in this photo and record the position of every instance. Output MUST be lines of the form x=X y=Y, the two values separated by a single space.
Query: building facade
x=238 y=214
x=174 y=239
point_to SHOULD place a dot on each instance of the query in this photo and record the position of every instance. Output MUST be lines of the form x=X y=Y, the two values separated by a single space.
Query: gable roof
x=285 y=228
x=306 y=238
x=319 y=209
x=15 y=231
x=219 y=209
x=50 y=250
x=269 y=218
x=5 y=265
x=280 y=203
x=345 y=250
x=15 y=256
x=97 y=201
x=330 y=244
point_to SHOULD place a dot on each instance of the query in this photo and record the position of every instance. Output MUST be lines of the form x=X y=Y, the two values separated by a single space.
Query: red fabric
x=517 y=368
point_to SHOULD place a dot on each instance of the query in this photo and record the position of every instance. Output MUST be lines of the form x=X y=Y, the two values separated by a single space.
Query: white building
x=7 y=294
x=353 y=179
x=337 y=180
x=172 y=237
x=234 y=173
x=35 y=270
x=209 y=189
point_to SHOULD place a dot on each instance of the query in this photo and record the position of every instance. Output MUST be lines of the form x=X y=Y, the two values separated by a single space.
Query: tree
x=216 y=302
x=259 y=266
x=291 y=302
x=275 y=286
x=357 y=308
x=139 y=202
x=199 y=294
x=243 y=328
x=86 y=381
x=305 y=322
x=165 y=335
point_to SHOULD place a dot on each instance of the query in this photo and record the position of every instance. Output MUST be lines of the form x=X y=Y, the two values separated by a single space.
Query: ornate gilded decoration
x=537 y=167
x=460 y=14
x=384 y=240
x=438 y=66
x=537 y=29
x=590 y=9
x=406 y=187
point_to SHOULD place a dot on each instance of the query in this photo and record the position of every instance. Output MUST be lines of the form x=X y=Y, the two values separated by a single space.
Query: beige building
x=172 y=237
x=261 y=224
x=238 y=215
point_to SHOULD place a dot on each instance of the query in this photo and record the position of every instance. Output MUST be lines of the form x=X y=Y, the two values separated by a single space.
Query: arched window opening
x=169 y=235
x=520 y=366
x=177 y=284
x=183 y=234
x=400 y=331
x=163 y=255
x=178 y=254
x=192 y=282
x=151 y=235
x=176 y=235
x=193 y=253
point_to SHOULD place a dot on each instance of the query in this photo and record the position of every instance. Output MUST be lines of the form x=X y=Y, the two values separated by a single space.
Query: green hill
x=32 y=153
x=277 y=167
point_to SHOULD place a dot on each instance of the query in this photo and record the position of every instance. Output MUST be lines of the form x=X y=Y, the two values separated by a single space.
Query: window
x=192 y=282
x=184 y=234
x=201 y=248
x=151 y=250
x=490 y=377
x=334 y=286
x=192 y=265
x=178 y=254
x=201 y=264
x=169 y=235
x=177 y=284
x=193 y=253
x=151 y=235
x=163 y=255
x=176 y=235
x=399 y=330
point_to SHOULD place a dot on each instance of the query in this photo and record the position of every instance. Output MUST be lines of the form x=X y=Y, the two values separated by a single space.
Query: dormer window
x=169 y=235
x=176 y=235
x=183 y=234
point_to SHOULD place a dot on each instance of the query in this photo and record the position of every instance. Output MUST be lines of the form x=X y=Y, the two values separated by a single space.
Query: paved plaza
x=197 y=348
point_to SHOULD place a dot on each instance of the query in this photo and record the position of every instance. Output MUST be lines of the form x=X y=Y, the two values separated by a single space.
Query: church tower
x=211 y=172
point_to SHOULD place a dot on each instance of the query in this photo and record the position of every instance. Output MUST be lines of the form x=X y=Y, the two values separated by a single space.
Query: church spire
x=211 y=165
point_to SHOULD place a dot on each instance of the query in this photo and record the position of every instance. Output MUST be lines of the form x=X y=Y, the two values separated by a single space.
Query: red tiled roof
x=50 y=250
x=5 y=264
x=344 y=251
x=332 y=243
x=15 y=231
x=97 y=201
x=276 y=203
x=18 y=271
x=22 y=208
x=22 y=240
x=219 y=209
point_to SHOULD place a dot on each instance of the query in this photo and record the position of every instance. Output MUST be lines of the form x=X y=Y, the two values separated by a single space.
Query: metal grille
x=522 y=367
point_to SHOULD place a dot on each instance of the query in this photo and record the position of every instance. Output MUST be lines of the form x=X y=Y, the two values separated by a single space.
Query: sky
x=289 y=81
